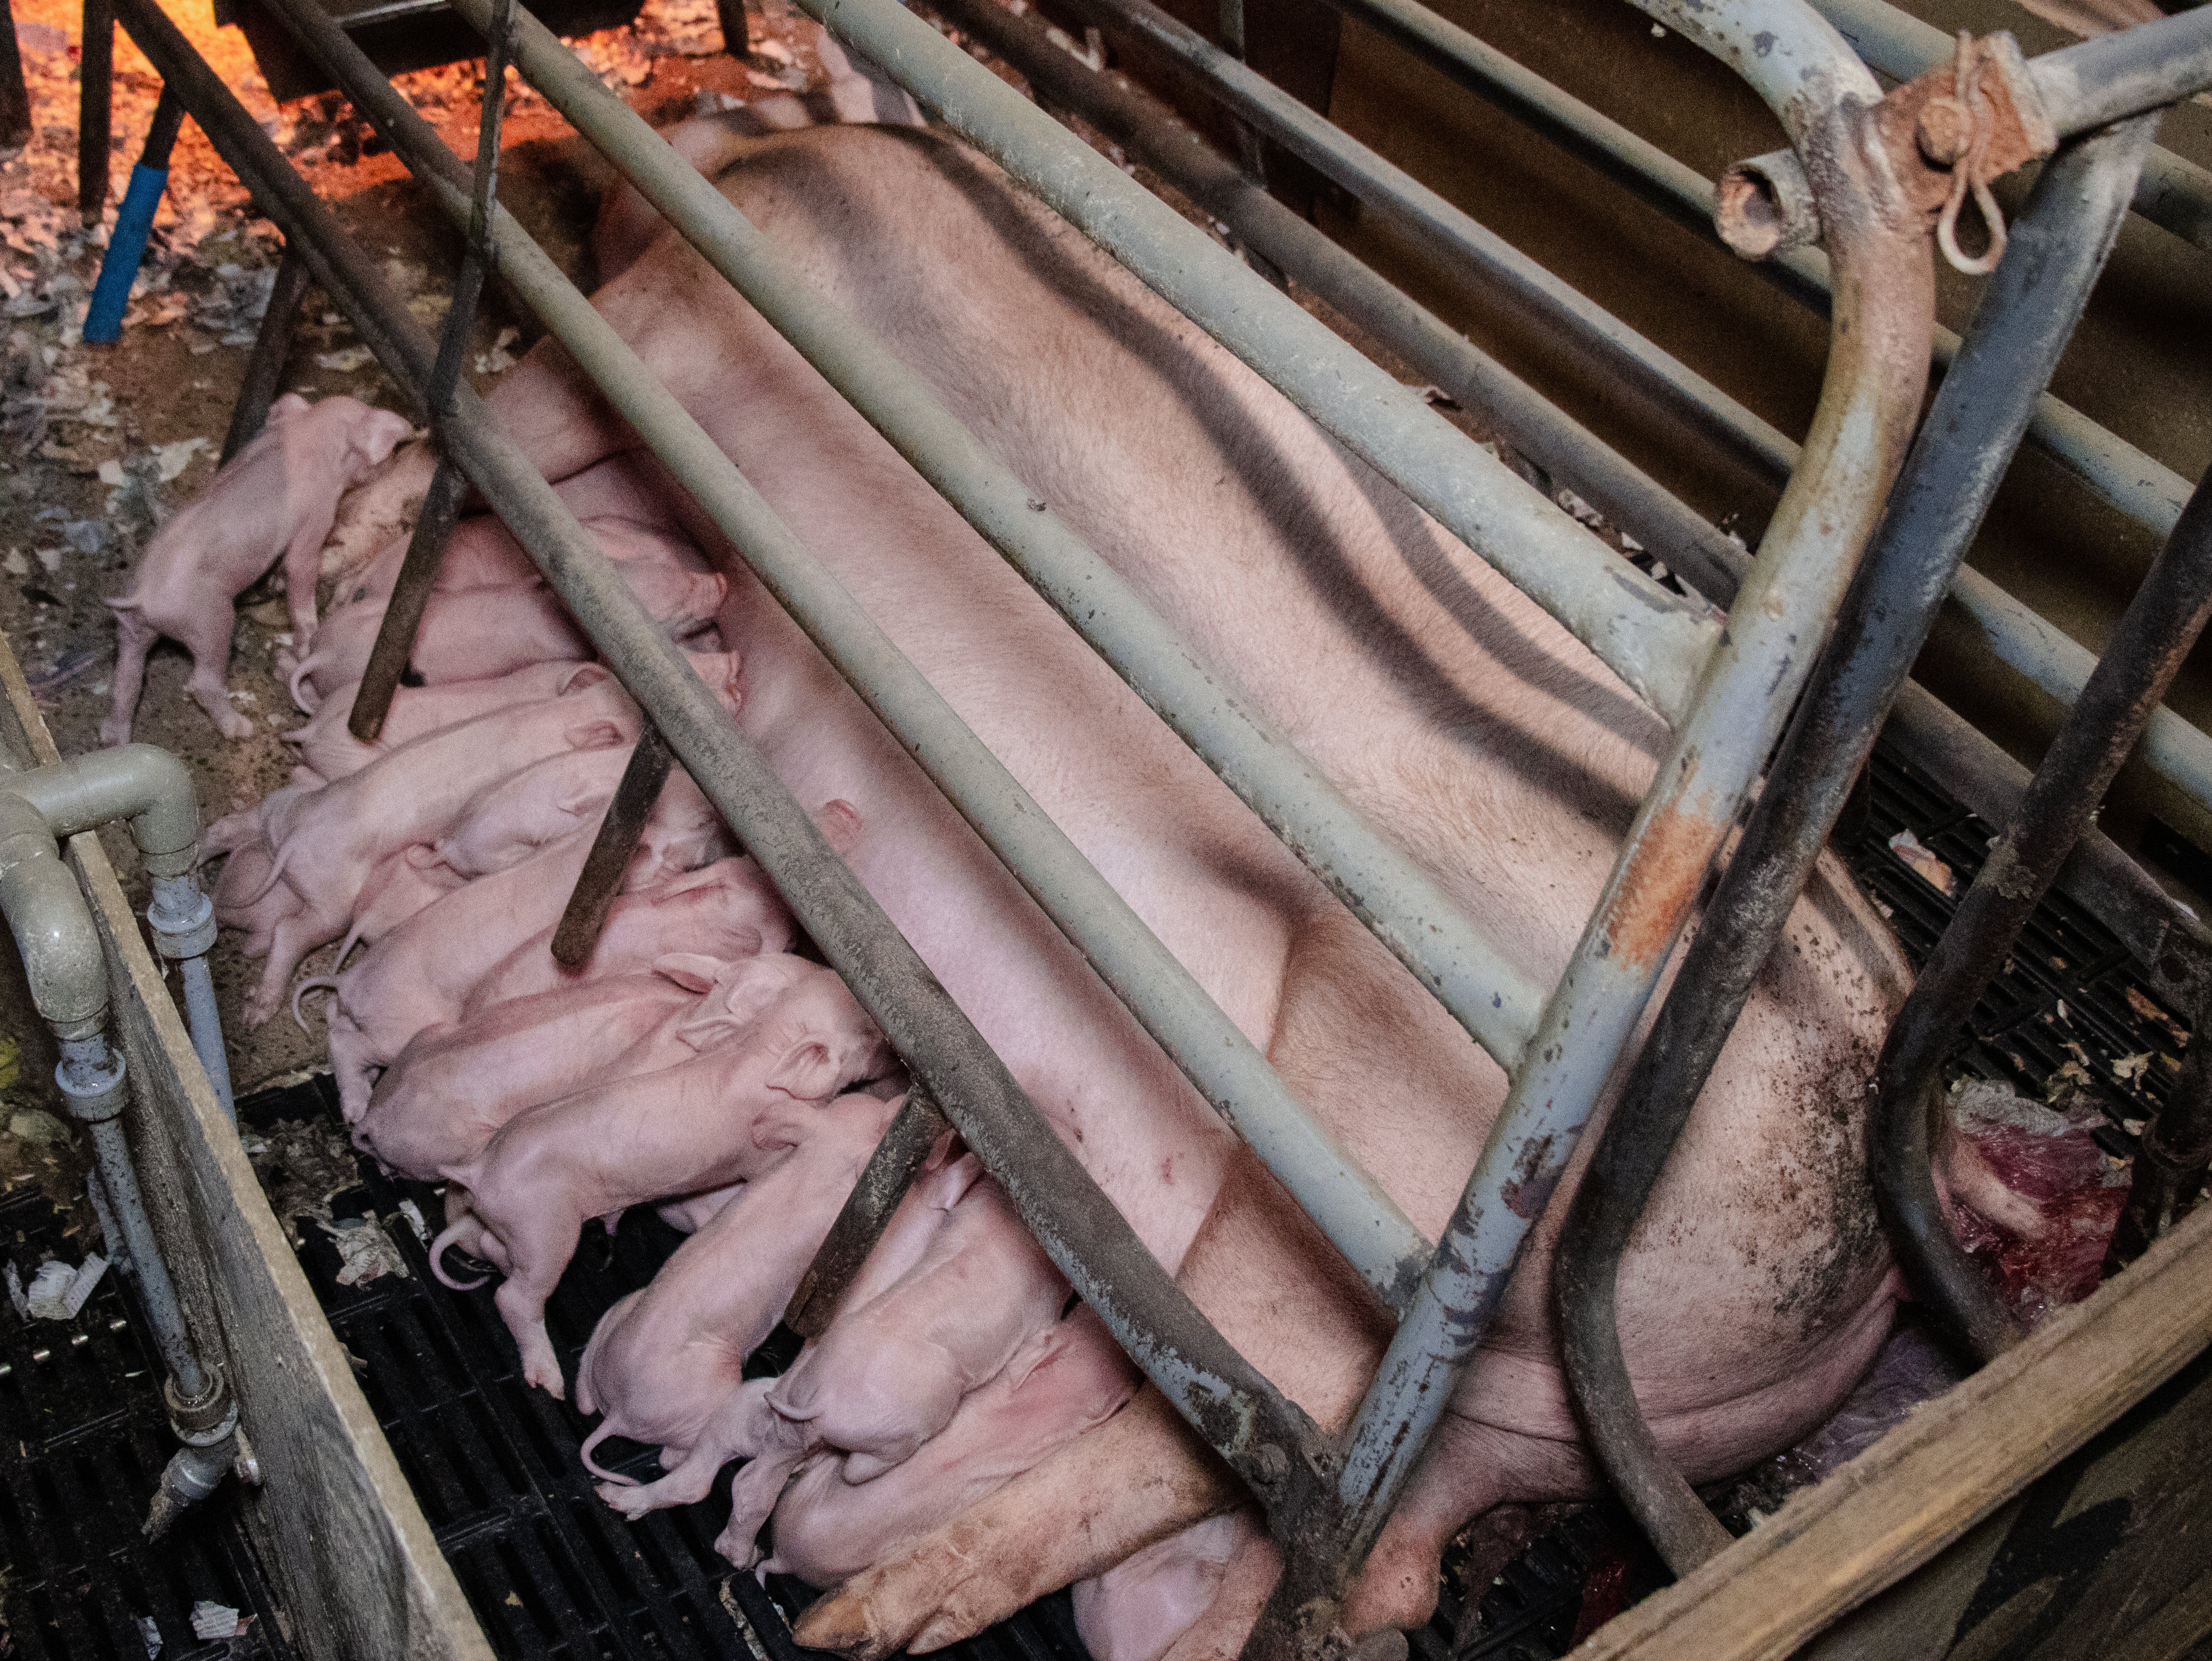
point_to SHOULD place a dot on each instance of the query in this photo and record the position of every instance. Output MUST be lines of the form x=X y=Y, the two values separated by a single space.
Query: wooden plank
x=353 y=1562
x=1937 y=1475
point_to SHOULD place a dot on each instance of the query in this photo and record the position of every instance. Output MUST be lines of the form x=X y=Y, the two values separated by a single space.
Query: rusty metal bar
x=441 y=503
x=898 y=1160
x=15 y=96
x=1270 y=1442
x=272 y=345
x=600 y=880
x=2153 y=635
x=2058 y=247
x=95 y=107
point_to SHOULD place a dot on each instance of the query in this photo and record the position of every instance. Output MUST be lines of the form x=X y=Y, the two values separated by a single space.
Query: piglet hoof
x=234 y=726
x=115 y=732
x=632 y=1502
x=742 y=1552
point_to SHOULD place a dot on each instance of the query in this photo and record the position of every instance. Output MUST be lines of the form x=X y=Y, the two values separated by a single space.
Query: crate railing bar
x=2176 y=750
x=264 y=365
x=1983 y=775
x=1267 y=1439
x=2115 y=472
x=1650 y=637
x=441 y=502
x=2058 y=247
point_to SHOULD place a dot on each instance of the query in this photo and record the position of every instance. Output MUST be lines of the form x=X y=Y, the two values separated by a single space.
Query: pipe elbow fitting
x=142 y=783
x=1765 y=206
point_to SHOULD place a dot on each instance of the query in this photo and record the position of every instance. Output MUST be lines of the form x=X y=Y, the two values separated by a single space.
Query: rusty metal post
x=95 y=100
x=891 y=1171
x=2154 y=635
x=272 y=345
x=600 y=879
x=441 y=504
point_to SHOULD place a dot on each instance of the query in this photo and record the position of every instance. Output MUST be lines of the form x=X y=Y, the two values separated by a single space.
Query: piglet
x=1062 y=1381
x=323 y=744
x=727 y=1116
x=666 y=1365
x=725 y=910
x=473 y=634
x=275 y=500
x=454 y=1085
x=512 y=817
x=888 y=1375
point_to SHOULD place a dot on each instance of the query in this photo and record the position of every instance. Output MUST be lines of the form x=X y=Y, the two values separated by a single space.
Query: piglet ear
x=582 y=800
x=582 y=679
x=807 y=1072
x=595 y=735
x=285 y=407
x=688 y=970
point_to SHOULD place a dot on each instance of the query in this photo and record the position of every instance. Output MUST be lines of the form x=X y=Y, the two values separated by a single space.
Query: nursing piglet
x=889 y=1374
x=727 y=1116
x=275 y=500
x=454 y=1085
x=473 y=634
x=666 y=1365
x=327 y=841
x=323 y=743
x=1064 y=1381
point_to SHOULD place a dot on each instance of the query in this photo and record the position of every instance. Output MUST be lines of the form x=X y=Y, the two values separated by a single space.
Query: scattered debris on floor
x=1923 y=863
x=57 y=1291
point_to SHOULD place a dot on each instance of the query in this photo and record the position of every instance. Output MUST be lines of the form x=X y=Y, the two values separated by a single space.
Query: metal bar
x=1869 y=403
x=411 y=588
x=600 y=880
x=1151 y=130
x=433 y=526
x=1349 y=1207
x=2058 y=247
x=2125 y=73
x=2111 y=468
x=1622 y=353
x=1235 y=1407
x=1407 y=911
x=2154 y=635
x=2174 y=749
x=1647 y=636
x=2173 y=192
x=95 y=103
x=15 y=96
x=898 y=1160
x=272 y=345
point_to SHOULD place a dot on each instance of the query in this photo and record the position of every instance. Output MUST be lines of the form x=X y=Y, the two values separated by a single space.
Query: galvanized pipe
x=2126 y=73
x=2058 y=247
x=2173 y=192
x=1564 y=448
x=2154 y=635
x=264 y=366
x=1348 y=1205
x=1647 y=637
x=1232 y=1404
x=2175 y=751
x=1624 y=354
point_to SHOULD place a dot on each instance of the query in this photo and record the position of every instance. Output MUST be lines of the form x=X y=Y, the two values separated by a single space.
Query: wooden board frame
x=356 y=1569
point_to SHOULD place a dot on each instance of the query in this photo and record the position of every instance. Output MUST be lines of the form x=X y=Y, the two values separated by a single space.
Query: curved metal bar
x=2058 y=247
x=2154 y=635
x=1792 y=57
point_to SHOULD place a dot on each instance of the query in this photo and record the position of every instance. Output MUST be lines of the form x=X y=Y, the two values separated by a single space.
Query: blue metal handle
x=126 y=246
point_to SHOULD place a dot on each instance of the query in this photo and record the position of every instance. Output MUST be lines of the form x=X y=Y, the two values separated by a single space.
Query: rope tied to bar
x=1971 y=170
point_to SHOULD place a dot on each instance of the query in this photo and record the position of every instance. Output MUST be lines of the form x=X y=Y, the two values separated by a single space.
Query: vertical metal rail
x=441 y=501
x=2154 y=635
x=264 y=366
x=134 y=220
x=95 y=104
x=15 y=96
x=898 y=1160
x=643 y=779
x=2025 y=317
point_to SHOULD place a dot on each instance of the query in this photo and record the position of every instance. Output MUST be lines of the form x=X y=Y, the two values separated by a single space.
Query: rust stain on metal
x=1662 y=878
x=1530 y=1190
